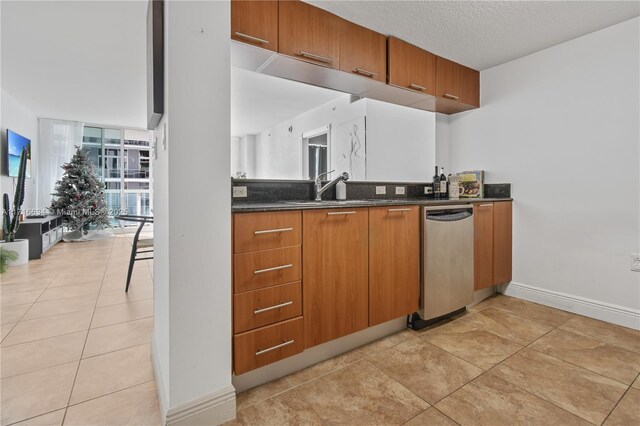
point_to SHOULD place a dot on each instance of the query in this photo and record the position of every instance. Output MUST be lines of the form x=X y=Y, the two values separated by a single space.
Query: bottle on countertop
x=443 y=185
x=436 y=185
x=341 y=190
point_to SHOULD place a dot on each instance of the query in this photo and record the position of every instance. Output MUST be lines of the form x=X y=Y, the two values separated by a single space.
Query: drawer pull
x=399 y=210
x=252 y=38
x=275 y=268
x=485 y=205
x=272 y=231
x=417 y=87
x=270 y=308
x=273 y=348
x=315 y=57
x=365 y=72
x=452 y=97
x=339 y=213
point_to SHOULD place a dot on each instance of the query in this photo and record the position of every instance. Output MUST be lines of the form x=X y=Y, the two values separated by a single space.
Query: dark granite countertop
x=334 y=204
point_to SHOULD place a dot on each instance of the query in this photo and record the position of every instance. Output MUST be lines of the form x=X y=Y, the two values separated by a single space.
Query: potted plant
x=11 y=218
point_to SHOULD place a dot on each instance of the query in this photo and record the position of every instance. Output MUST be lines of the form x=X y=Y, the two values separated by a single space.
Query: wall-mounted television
x=155 y=63
x=16 y=144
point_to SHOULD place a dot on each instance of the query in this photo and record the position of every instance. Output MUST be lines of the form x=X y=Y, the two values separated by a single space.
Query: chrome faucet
x=319 y=189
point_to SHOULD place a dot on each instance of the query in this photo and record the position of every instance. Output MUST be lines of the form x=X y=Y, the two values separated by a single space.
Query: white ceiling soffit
x=483 y=34
x=77 y=60
x=258 y=101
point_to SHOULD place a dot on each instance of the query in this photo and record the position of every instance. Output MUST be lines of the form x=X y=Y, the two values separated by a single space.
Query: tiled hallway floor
x=507 y=362
x=75 y=350
x=75 y=346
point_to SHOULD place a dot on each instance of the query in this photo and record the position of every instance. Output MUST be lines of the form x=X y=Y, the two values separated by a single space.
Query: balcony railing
x=128 y=174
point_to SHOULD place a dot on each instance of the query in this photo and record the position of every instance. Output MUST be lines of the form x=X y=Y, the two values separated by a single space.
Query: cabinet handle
x=271 y=231
x=486 y=205
x=271 y=308
x=399 y=210
x=275 y=268
x=365 y=72
x=315 y=57
x=339 y=213
x=252 y=38
x=452 y=97
x=417 y=87
x=273 y=348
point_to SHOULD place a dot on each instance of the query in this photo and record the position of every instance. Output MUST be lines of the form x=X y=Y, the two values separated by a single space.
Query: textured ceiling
x=260 y=101
x=77 y=60
x=482 y=34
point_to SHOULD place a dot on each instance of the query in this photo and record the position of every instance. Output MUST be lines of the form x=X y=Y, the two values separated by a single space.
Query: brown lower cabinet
x=335 y=273
x=492 y=243
x=394 y=262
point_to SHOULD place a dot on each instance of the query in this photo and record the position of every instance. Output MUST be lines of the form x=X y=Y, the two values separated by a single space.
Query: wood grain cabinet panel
x=394 y=262
x=265 y=345
x=309 y=33
x=363 y=52
x=411 y=67
x=502 y=244
x=260 y=269
x=469 y=86
x=255 y=22
x=483 y=245
x=335 y=279
x=447 y=79
x=258 y=308
x=264 y=231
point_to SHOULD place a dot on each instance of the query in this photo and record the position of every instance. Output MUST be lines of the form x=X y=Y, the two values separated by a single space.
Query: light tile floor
x=75 y=351
x=504 y=362
x=75 y=346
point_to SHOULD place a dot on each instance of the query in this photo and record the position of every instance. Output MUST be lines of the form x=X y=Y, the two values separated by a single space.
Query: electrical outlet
x=635 y=262
x=381 y=190
x=428 y=190
x=399 y=190
x=239 y=192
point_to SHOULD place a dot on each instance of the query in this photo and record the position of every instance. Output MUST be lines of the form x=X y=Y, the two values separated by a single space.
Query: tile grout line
x=616 y=404
x=73 y=385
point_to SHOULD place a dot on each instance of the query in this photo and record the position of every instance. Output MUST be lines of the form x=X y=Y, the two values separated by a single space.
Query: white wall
x=17 y=117
x=401 y=143
x=563 y=126
x=192 y=271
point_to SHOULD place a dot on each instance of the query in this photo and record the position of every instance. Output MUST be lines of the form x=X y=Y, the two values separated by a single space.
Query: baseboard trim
x=157 y=372
x=212 y=409
x=615 y=314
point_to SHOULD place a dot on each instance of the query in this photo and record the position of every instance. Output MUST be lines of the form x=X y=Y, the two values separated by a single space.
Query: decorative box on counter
x=471 y=184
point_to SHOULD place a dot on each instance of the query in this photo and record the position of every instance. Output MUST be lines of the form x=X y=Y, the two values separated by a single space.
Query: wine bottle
x=443 y=184
x=436 y=185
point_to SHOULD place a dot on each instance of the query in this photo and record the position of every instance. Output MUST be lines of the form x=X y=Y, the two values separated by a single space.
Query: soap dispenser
x=341 y=190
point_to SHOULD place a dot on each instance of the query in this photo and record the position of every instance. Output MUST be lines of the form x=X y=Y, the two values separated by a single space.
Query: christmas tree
x=80 y=195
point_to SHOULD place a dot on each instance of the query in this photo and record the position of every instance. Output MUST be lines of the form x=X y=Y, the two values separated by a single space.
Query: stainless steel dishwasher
x=447 y=260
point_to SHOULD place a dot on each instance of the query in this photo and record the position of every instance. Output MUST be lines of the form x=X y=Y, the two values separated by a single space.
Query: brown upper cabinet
x=458 y=85
x=363 y=52
x=255 y=22
x=309 y=33
x=411 y=67
x=469 y=86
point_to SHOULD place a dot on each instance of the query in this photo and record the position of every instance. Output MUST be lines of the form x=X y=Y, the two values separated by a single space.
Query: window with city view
x=121 y=158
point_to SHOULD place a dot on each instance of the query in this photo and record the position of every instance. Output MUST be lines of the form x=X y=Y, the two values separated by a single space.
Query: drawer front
x=269 y=344
x=265 y=231
x=258 y=308
x=261 y=269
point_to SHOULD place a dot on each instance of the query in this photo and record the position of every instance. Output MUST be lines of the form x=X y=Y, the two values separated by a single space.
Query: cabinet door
x=309 y=33
x=411 y=67
x=502 y=242
x=483 y=245
x=447 y=79
x=255 y=22
x=363 y=52
x=394 y=262
x=335 y=273
x=469 y=86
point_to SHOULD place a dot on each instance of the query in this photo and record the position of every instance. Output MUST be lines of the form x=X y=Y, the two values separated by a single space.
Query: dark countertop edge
x=332 y=204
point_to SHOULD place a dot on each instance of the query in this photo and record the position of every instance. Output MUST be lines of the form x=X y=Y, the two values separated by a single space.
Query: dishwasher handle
x=444 y=216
